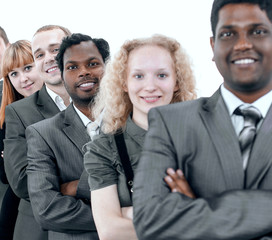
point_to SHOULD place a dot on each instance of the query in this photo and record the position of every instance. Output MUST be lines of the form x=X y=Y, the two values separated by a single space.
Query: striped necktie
x=252 y=116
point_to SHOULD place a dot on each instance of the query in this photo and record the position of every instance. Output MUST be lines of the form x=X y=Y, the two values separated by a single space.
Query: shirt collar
x=82 y=116
x=232 y=102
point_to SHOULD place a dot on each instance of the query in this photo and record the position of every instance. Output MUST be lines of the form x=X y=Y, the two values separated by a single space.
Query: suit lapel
x=46 y=105
x=219 y=126
x=74 y=128
x=261 y=155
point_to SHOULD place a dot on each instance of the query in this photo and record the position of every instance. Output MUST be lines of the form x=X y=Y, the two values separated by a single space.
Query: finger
x=171 y=172
x=172 y=185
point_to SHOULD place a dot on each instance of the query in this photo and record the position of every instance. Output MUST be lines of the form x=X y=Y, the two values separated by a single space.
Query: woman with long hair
x=20 y=80
x=145 y=73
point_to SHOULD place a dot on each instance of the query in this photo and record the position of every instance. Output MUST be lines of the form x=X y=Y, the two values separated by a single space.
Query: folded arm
x=162 y=214
x=108 y=215
x=52 y=209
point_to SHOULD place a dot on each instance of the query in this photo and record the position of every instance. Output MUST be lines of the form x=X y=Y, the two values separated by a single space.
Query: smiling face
x=151 y=79
x=242 y=49
x=25 y=79
x=83 y=69
x=45 y=47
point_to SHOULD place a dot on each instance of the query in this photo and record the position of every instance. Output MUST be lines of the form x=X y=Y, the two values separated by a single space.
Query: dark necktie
x=246 y=137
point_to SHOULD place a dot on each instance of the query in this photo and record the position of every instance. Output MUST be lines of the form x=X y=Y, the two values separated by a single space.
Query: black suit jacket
x=198 y=137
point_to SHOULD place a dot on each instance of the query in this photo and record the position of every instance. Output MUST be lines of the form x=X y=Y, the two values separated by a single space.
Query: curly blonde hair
x=115 y=102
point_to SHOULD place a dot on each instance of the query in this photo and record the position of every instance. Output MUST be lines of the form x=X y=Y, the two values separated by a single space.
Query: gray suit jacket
x=18 y=116
x=198 y=137
x=54 y=157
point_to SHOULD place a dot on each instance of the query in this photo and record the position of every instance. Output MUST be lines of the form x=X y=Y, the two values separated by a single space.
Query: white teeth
x=87 y=84
x=244 y=61
x=52 y=69
x=150 y=98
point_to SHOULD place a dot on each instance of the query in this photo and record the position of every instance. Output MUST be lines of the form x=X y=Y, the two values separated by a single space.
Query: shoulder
x=25 y=102
x=180 y=108
x=48 y=123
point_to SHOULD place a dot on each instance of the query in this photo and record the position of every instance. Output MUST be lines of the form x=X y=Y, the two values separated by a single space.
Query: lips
x=244 y=61
x=52 y=69
x=28 y=86
x=151 y=99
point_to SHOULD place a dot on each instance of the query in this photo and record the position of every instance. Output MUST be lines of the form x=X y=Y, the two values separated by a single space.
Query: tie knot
x=92 y=128
x=249 y=113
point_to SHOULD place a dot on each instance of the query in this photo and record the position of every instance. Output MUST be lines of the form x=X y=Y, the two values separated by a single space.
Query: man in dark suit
x=45 y=103
x=232 y=182
x=55 y=154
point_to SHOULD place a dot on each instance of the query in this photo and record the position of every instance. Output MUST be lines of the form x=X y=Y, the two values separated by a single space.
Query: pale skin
x=151 y=81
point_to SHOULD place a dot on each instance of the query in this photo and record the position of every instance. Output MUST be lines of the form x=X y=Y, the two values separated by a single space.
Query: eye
x=13 y=74
x=139 y=76
x=162 y=75
x=39 y=55
x=28 y=68
x=93 y=64
x=226 y=34
x=55 y=50
x=71 y=67
x=259 y=32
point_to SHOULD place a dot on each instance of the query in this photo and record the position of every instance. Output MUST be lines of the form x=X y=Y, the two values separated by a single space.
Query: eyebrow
x=232 y=26
x=88 y=60
x=50 y=46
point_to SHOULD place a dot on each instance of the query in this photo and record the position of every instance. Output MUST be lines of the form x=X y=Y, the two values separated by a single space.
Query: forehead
x=241 y=15
x=43 y=40
x=149 y=54
x=81 y=52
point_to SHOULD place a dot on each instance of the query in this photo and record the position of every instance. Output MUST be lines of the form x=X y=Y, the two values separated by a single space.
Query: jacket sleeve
x=52 y=210
x=15 y=153
x=160 y=214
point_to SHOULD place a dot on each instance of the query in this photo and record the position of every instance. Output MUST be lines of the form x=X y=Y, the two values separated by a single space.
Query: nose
x=242 y=43
x=49 y=57
x=150 y=84
x=83 y=71
x=23 y=78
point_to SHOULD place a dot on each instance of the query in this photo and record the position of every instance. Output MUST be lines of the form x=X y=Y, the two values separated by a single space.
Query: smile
x=244 y=61
x=88 y=84
x=151 y=99
x=52 y=69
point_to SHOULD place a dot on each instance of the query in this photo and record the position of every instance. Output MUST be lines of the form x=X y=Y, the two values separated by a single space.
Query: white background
x=188 y=21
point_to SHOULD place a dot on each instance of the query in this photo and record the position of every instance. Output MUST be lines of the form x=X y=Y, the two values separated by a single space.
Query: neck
x=141 y=122
x=250 y=97
x=61 y=91
x=85 y=109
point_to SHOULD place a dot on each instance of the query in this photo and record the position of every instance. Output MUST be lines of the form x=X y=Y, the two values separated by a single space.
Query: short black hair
x=265 y=5
x=76 y=38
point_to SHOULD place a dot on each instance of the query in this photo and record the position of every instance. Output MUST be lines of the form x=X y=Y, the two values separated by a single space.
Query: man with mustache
x=55 y=155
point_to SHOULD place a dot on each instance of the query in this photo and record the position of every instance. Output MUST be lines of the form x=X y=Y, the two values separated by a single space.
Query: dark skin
x=178 y=183
x=83 y=69
x=242 y=48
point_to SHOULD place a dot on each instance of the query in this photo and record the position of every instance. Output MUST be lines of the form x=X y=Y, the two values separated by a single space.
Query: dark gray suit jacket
x=198 y=137
x=54 y=157
x=18 y=116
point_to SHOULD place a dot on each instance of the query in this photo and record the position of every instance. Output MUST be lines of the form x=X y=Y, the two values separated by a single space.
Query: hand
x=2 y=154
x=127 y=212
x=69 y=188
x=177 y=182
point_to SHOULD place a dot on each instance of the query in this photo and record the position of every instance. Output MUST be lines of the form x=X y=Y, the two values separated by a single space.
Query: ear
x=212 y=45
x=125 y=87
x=176 y=87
